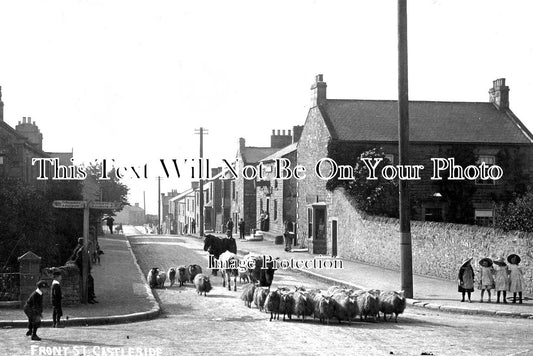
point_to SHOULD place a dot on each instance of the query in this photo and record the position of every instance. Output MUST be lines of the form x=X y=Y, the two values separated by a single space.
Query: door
x=334 y=238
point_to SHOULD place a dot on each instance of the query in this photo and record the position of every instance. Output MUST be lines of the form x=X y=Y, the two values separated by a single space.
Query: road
x=221 y=324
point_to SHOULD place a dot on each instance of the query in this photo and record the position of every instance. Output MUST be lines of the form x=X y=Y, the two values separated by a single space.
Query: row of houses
x=489 y=130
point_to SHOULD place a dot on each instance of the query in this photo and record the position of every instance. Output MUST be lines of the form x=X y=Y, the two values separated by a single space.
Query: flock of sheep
x=344 y=304
x=181 y=274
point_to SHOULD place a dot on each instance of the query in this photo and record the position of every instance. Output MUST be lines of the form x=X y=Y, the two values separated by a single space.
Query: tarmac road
x=221 y=324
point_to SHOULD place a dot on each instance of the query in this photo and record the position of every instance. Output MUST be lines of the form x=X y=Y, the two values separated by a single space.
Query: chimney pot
x=24 y=119
x=283 y=132
x=273 y=132
x=319 y=78
x=29 y=120
x=289 y=133
x=278 y=133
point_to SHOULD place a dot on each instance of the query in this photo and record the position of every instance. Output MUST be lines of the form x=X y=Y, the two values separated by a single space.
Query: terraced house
x=477 y=131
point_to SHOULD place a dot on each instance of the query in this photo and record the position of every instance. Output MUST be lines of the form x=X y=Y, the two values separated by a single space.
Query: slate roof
x=255 y=154
x=429 y=121
x=282 y=152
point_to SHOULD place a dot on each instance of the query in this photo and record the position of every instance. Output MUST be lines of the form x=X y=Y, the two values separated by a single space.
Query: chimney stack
x=242 y=144
x=280 y=139
x=297 y=132
x=318 y=91
x=499 y=94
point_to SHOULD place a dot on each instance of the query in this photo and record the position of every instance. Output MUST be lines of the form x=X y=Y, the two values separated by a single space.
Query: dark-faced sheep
x=244 y=276
x=202 y=284
x=303 y=304
x=260 y=295
x=368 y=304
x=193 y=271
x=248 y=294
x=391 y=303
x=172 y=276
x=345 y=306
x=286 y=304
x=183 y=275
x=324 y=307
x=155 y=278
x=272 y=304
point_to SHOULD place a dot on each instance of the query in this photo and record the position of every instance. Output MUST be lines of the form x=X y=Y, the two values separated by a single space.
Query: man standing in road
x=109 y=220
x=241 y=229
x=229 y=228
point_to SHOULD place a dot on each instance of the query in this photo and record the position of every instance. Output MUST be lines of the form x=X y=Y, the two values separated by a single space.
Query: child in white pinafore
x=501 y=279
x=516 y=279
x=486 y=277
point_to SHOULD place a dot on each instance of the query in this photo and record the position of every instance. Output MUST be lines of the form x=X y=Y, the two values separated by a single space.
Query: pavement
x=124 y=296
x=120 y=287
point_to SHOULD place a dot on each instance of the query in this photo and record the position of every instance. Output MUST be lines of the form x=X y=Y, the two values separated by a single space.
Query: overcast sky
x=131 y=80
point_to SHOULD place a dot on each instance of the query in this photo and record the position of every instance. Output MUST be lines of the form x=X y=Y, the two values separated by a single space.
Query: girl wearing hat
x=516 y=279
x=466 y=279
x=501 y=279
x=486 y=278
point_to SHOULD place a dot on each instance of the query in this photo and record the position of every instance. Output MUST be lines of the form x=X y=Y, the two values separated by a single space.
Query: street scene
x=230 y=177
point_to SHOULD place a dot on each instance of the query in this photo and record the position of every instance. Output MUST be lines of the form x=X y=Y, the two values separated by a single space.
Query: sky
x=132 y=80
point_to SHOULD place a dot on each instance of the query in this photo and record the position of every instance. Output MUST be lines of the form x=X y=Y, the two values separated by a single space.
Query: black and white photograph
x=303 y=177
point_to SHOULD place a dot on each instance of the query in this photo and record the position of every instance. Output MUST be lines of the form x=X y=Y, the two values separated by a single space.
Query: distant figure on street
x=516 y=277
x=229 y=228
x=193 y=226
x=119 y=229
x=33 y=308
x=466 y=279
x=241 y=229
x=287 y=235
x=262 y=221
x=109 y=221
x=56 y=299
x=185 y=229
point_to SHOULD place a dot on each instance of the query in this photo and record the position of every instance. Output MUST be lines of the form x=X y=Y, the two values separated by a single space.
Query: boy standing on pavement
x=56 y=299
x=33 y=308
x=241 y=229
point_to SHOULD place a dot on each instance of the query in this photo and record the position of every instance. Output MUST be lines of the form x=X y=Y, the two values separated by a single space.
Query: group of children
x=495 y=275
x=33 y=308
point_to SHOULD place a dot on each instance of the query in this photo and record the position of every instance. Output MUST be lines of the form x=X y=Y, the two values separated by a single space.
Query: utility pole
x=201 y=131
x=406 y=255
x=158 y=204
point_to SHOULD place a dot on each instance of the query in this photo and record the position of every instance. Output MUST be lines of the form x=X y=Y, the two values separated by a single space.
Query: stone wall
x=438 y=248
x=70 y=284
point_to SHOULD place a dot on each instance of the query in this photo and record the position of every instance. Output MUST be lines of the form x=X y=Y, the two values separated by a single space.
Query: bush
x=517 y=215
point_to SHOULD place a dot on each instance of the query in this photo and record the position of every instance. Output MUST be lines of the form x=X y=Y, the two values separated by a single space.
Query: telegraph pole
x=158 y=204
x=201 y=131
x=406 y=256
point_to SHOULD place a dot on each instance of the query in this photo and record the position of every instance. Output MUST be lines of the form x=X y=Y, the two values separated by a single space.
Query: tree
x=375 y=197
x=516 y=215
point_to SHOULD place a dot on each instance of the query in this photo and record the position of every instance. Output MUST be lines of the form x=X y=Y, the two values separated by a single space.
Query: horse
x=216 y=246
x=230 y=267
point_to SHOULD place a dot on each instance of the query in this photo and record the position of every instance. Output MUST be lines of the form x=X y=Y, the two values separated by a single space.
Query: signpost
x=86 y=206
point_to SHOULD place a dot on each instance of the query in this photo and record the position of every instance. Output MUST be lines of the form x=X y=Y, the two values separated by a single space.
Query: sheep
x=183 y=275
x=272 y=304
x=368 y=303
x=202 y=284
x=193 y=271
x=392 y=303
x=286 y=304
x=303 y=304
x=244 y=276
x=345 y=306
x=248 y=294
x=324 y=307
x=155 y=278
x=172 y=275
x=260 y=295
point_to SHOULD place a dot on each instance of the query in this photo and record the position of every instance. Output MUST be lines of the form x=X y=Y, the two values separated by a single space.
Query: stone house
x=276 y=194
x=489 y=130
x=20 y=145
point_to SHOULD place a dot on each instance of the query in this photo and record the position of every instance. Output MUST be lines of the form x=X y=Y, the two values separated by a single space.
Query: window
x=433 y=214
x=489 y=161
x=275 y=210
x=484 y=217
x=233 y=190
